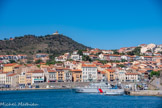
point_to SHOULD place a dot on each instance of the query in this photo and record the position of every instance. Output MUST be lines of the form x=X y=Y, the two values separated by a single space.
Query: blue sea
x=70 y=99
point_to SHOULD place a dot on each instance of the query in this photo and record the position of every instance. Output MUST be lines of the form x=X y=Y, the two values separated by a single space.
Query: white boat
x=114 y=92
x=93 y=88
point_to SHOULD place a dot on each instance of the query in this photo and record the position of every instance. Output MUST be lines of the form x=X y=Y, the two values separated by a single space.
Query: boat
x=114 y=91
x=93 y=88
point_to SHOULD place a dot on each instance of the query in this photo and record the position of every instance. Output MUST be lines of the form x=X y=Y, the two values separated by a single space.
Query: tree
x=38 y=66
x=123 y=60
x=86 y=58
x=121 y=65
x=103 y=61
x=80 y=52
x=49 y=62
x=136 y=51
x=156 y=73
x=6 y=39
x=38 y=61
x=115 y=52
x=12 y=61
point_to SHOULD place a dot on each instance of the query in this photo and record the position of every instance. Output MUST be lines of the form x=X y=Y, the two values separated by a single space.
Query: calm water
x=69 y=99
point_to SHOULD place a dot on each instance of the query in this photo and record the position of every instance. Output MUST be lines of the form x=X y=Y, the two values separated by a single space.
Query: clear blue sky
x=105 y=24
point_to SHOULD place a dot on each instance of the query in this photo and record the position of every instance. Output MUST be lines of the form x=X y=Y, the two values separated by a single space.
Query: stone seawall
x=62 y=84
x=161 y=77
x=146 y=93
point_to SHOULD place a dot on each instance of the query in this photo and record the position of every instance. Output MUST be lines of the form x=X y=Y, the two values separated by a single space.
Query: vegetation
x=38 y=66
x=49 y=62
x=123 y=60
x=136 y=51
x=103 y=61
x=86 y=58
x=80 y=52
x=12 y=61
x=160 y=52
x=38 y=61
x=156 y=73
x=115 y=52
x=31 y=44
x=121 y=65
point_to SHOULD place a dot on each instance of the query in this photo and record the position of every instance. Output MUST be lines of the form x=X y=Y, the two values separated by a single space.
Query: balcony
x=41 y=79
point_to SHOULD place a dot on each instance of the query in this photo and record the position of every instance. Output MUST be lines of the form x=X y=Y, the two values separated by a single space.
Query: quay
x=146 y=93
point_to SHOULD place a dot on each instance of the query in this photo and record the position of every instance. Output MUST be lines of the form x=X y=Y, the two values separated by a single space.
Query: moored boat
x=114 y=92
x=93 y=88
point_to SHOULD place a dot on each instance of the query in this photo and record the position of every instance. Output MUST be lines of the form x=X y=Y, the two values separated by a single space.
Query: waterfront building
x=110 y=74
x=132 y=77
x=52 y=76
x=101 y=76
x=22 y=80
x=37 y=76
x=12 y=80
x=2 y=79
x=161 y=77
x=89 y=72
x=60 y=73
x=76 y=75
x=120 y=75
x=143 y=75
x=28 y=79
x=67 y=75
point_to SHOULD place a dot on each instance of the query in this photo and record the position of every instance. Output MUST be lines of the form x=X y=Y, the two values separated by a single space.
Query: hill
x=31 y=44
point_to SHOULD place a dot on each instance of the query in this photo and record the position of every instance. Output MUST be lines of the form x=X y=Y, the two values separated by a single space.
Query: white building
x=37 y=76
x=86 y=53
x=12 y=80
x=148 y=47
x=67 y=75
x=51 y=76
x=76 y=57
x=89 y=73
x=132 y=77
x=107 y=52
x=2 y=79
x=120 y=75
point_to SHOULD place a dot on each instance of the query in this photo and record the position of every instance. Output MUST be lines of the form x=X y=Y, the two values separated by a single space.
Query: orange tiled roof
x=76 y=70
x=51 y=71
x=36 y=71
x=12 y=74
x=110 y=70
x=104 y=66
x=88 y=65
x=29 y=65
x=131 y=73
x=11 y=64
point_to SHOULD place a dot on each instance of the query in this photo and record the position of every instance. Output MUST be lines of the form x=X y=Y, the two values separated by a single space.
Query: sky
x=104 y=24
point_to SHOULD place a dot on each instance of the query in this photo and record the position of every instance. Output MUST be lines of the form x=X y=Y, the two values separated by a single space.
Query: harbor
x=70 y=85
x=67 y=98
